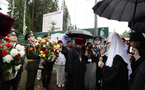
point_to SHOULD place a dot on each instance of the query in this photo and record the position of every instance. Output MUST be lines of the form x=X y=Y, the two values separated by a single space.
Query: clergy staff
x=75 y=66
x=117 y=70
x=6 y=24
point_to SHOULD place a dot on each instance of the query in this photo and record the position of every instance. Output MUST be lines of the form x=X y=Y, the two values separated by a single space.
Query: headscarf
x=116 y=48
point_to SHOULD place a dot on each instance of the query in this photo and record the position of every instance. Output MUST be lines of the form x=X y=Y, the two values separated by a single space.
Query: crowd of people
x=83 y=65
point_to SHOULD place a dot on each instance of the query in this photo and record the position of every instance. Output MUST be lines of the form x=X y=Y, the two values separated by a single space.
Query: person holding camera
x=90 y=74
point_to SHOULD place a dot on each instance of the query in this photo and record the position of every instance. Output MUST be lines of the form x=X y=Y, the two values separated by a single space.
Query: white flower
x=19 y=47
x=22 y=53
x=9 y=70
x=43 y=45
x=7 y=58
x=51 y=42
x=14 y=52
x=37 y=44
x=47 y=43
x=17 y=67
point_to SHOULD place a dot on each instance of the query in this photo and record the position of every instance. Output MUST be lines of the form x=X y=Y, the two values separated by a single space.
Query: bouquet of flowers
x=11 y=56
x=48 y=49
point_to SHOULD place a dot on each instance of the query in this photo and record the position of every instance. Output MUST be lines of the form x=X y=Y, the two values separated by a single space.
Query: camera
x=90 y=47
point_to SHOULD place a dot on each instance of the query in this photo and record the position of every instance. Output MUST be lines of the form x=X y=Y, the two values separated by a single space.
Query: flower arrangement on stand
x=48 y=49
x=11 y=58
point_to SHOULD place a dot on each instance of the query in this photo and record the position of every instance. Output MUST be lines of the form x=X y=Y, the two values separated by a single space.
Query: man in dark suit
x=33 y=61
x=13 y=34
x=6 y=24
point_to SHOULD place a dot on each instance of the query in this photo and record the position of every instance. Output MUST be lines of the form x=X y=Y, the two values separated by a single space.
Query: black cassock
x=137 y=81
x=115 y=77
x=75 y=70
x=1 y=72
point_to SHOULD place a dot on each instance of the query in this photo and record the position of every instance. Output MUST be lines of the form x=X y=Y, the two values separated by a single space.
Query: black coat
x=115 y=77
x=75 y=70
x=1 y=72
x=137 y=81
x=136 y=64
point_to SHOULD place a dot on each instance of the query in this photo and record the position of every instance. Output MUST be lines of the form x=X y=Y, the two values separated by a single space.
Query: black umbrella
x=79 y=33
x=138 y=26
x=121 y=10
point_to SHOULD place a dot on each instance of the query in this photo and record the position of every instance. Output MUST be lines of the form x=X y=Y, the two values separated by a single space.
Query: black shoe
x=44 y=84
x=48 y=88
x=44 y=88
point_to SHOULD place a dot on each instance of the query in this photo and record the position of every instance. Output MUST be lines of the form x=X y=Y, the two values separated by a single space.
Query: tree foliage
x=66 y=18
x=40 y=7
x=125 y=34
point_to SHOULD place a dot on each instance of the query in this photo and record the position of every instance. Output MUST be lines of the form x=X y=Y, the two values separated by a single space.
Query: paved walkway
x=38 y=83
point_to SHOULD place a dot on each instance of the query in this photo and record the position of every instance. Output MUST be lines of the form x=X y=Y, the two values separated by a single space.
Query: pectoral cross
x=80 y=59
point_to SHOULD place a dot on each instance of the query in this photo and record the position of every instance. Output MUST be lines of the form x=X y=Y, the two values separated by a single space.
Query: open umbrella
x=138 y=26
x=121 y=10
x=79 y=33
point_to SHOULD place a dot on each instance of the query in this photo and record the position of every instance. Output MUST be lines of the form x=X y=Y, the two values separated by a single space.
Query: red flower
x=51 y=50
x=0 y=46
x=19 y=43
x=8 y=45
x=17 y=56
x=55 y=58
x=43 y=63
x=7 y=39
x=42 y=48
x=56 y=50
x=45 y=52
x=4 y=53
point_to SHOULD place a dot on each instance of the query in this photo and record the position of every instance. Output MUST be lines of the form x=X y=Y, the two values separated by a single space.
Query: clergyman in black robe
x=117 y=69
x=137 y=41
x=75 y=67
x=137 y=81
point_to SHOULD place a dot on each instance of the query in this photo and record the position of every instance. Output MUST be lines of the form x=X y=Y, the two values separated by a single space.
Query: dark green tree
x=40 y=7
x=67 y=25
x=125 y=34
x=18 y=14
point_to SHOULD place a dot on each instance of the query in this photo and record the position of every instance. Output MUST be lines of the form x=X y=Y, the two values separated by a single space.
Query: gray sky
x=82 y=15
